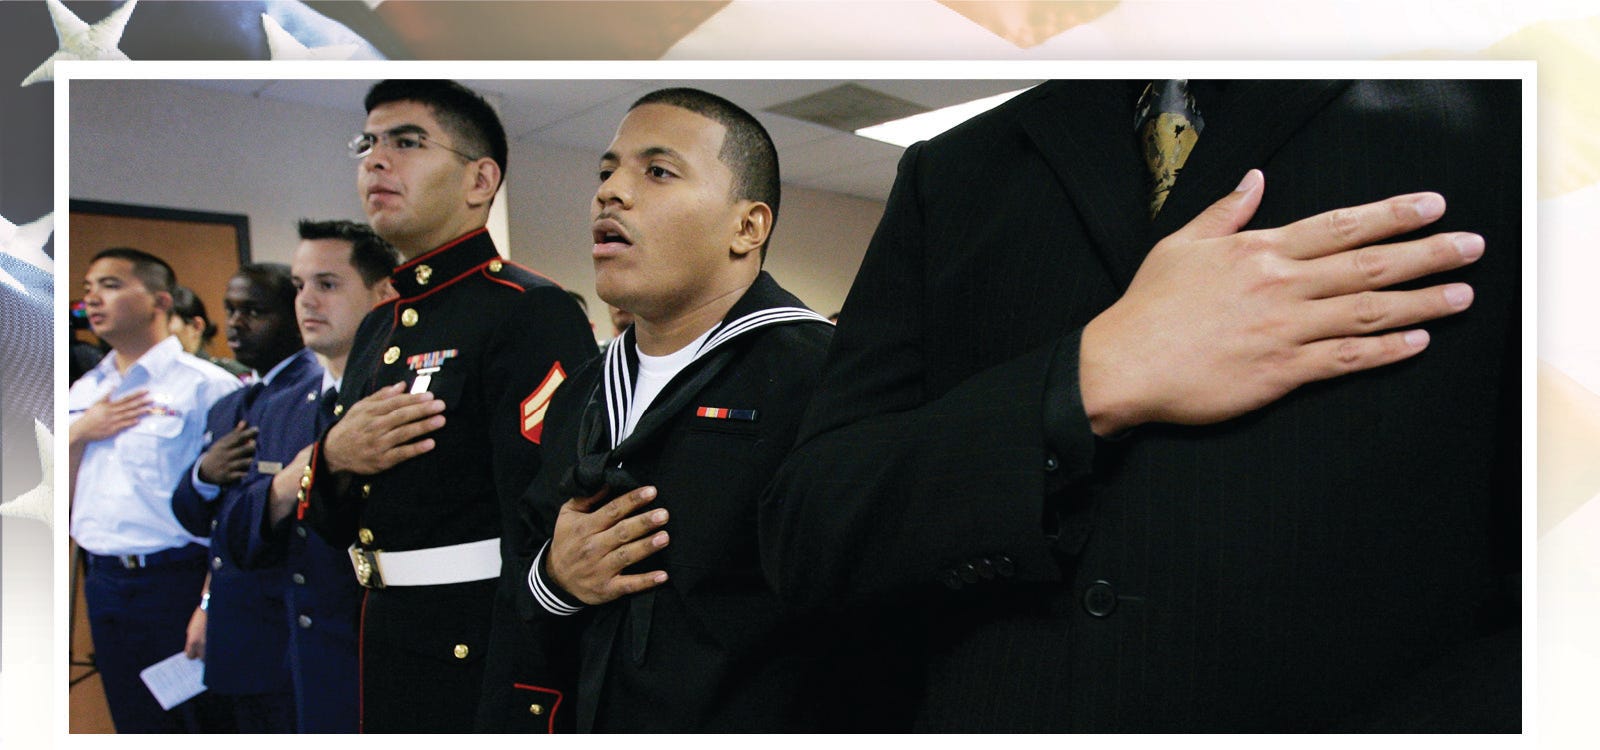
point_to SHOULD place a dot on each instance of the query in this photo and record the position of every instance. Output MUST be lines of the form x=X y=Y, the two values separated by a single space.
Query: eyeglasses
x=364 y=143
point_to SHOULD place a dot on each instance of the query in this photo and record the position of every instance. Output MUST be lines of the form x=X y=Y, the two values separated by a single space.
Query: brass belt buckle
x=367 y=572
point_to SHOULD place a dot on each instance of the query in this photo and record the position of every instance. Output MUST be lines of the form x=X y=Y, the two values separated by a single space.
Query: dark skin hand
x=228 y=459
x=596 y=539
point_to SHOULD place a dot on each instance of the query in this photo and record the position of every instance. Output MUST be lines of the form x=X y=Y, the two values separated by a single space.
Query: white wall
x=172 y=145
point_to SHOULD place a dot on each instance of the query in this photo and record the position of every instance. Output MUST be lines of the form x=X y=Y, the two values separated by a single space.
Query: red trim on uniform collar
x=440 y=249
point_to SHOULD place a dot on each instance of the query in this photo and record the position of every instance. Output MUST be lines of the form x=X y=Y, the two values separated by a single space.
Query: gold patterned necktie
x=1168 y=125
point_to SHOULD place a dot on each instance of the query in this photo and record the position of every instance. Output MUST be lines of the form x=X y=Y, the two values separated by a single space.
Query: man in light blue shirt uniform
x=137 y=422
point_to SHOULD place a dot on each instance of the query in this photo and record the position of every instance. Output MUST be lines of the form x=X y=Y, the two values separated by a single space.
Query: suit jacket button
x=536 y=710
x=216 y=563
x=298 y=579
x=985 y=568
x=968 y=573
x=301 y=530
x=1100 y=599
x=461 y=651
x=951 y=580
x=1005 y=567
x=1050 y=462
x=304 y=621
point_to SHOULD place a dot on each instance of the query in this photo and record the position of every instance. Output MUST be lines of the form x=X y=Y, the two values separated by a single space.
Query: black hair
x=747 y=149
x=373 y=257
x=275 y=279
x=472 y=123
x=187 y=305
x=152 y=272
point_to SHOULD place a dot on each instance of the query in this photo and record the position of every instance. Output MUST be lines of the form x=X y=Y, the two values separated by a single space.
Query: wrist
x=1109 y=391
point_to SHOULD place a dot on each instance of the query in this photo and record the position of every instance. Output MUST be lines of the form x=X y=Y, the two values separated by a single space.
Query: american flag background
x=1563 y=652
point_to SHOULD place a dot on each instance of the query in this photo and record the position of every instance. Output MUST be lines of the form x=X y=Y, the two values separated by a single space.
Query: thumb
x=1228 y=214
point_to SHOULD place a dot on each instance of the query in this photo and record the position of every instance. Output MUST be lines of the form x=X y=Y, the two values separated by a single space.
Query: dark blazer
x=498 y=333
x=246 y=640
x=1345 y=558
x=711 y=649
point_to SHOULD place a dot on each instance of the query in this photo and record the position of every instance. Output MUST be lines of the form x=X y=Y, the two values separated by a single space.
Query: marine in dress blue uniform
x=492 y=340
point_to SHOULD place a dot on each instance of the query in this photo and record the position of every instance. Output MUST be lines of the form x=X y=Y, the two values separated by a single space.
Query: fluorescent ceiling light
x=908 y=130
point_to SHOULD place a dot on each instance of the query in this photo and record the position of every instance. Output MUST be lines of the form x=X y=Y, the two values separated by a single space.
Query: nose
x=614 y=190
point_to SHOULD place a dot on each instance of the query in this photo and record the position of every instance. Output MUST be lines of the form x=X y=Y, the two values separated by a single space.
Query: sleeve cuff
x=206 y=490
x=1068 y=438
x=546 y=592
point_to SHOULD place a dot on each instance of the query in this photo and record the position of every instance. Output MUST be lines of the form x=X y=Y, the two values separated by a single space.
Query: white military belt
x=435 y=566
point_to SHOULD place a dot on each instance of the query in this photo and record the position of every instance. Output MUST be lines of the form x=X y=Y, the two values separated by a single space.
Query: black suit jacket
x=711 y=649
x=1345 y=558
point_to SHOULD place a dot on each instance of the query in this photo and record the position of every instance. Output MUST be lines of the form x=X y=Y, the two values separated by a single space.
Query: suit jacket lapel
x=1254 y=120
x=1084 y=131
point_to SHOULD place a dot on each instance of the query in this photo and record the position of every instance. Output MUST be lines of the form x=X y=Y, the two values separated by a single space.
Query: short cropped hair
x=747 y=149
x=372 y=256
x=273 y=277
x=472 y=123
x=188 y=306
x=152 y=272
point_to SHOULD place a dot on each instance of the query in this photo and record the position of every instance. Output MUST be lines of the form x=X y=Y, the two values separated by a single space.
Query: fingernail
x=1416 y=339
x=1458 y=295
x=659 y=516
x=1429 y=206
x=659 y=540
x=647 y=493
x=1470 y=246
x=1251 y=179
x=661 y=577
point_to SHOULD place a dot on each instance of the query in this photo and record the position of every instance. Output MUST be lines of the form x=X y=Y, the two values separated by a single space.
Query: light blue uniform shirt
x=123 y=499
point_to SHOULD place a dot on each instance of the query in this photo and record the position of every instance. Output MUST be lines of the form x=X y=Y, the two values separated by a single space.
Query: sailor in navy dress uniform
x=492 y=340
x=712 y=649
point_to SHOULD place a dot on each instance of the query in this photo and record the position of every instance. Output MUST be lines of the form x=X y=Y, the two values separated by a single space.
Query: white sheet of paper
x=174 y=679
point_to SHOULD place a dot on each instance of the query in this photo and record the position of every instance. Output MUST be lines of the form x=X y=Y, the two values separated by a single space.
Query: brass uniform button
x=536 y=710
x=408 y=318
x=365 y=535
x=366 y=490
x=495 y=266
x=305 y=481
x=392 y=355
x=338 y=409
x=461 y=651
x=423 y=274
x=216 y=563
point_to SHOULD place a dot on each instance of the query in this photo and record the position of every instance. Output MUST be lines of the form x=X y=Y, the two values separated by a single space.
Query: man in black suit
x=650 y=579
x=1216 y=482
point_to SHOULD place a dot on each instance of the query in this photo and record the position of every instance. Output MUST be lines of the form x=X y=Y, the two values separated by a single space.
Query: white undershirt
x=654 y=374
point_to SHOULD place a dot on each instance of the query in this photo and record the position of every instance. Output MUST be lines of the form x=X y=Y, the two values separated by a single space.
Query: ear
x=382 y=291
x=163 y=301
x=485 y=181
x=755 y=225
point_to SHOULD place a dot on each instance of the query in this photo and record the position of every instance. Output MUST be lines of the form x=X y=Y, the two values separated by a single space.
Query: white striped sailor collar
x=763 y=304
x=444 y=264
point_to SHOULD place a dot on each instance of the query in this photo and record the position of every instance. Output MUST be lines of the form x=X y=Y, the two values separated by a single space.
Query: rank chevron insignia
x=534 y=406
